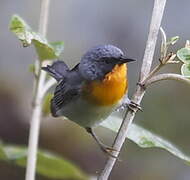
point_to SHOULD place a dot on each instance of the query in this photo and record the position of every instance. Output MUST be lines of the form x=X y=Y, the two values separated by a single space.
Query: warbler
x=89 y=92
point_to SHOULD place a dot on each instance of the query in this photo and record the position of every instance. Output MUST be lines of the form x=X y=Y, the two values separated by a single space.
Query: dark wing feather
x=64 y=93
x=57 y=70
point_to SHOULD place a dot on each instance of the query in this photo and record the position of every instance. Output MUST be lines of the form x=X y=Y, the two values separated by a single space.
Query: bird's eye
x=107 y=61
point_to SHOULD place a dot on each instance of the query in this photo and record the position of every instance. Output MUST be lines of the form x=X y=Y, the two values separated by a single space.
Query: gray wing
x=67 y=89
x=57 y=70
x=62 y=96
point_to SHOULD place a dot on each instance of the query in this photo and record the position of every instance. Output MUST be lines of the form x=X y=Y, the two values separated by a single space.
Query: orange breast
x=111 y=89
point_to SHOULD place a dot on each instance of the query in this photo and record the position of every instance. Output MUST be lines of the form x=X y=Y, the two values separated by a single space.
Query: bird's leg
x=127 y=103
x=103 y=147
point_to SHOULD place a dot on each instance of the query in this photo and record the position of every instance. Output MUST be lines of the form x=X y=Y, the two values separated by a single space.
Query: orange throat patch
x=109 y=90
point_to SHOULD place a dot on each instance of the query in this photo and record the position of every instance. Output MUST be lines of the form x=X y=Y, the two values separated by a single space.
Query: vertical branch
x=157 y=15
x=37 y=101
x=44 y=14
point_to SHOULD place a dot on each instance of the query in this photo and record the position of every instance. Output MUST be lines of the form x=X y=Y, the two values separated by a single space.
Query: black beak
x=124 y=59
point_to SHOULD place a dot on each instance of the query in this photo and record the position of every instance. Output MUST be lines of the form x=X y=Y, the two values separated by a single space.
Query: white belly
x=84 y=113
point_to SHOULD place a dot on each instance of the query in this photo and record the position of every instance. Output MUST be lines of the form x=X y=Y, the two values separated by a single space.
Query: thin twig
x=164 y=61
x=164 y=44
x=157 y=15
x=168 y=76
x=154 y=71
x=37 y=103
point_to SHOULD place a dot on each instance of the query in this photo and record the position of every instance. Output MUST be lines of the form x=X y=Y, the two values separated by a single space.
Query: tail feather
x=57 y=70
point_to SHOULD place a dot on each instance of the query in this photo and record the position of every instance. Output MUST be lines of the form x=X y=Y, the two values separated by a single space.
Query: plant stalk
x=37 y=100
x=167 y=76
x=157 y=15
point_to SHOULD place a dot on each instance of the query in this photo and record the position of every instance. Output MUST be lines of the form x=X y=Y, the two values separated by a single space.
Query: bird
x=88 y=93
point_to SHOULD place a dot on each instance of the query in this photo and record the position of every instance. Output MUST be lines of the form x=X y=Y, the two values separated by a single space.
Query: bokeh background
x=83 y=24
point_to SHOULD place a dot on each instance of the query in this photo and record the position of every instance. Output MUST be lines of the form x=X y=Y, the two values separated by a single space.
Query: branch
x=157 y=15
x=164 y=44
x=168 y=76
x=152 y=38
x=37 y=101
x=167 y=59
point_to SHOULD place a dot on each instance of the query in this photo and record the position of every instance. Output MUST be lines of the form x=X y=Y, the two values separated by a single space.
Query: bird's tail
x=57 y=70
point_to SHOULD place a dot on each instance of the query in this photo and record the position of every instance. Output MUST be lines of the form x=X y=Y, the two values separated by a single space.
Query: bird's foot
x=106 y=149
x=131 y=105
x=109 y=150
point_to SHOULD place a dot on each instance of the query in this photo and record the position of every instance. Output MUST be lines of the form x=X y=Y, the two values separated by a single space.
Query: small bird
x=88 y=93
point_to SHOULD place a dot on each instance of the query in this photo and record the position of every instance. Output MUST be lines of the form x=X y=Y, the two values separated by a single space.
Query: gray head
x=100 y=60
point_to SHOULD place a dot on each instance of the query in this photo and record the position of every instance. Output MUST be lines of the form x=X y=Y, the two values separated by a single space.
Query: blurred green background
x=83 y=24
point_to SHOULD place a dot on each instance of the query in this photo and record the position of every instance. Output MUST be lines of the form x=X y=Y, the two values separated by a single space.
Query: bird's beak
x=124 y=59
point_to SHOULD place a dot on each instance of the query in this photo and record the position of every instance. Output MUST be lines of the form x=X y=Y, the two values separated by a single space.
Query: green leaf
x=48 y=165
x=185 y=70
x=184 y=55
x=58 y=47
x=46 y=104
x=21 y=29
x=173 y=40
x=27 y=36
x=48 y=51
x=144 y=138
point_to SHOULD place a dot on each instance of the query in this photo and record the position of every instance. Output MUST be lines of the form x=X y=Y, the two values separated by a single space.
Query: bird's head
x=100 y=60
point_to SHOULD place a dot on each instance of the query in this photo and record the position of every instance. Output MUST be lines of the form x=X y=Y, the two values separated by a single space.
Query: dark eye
x=107 y=61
